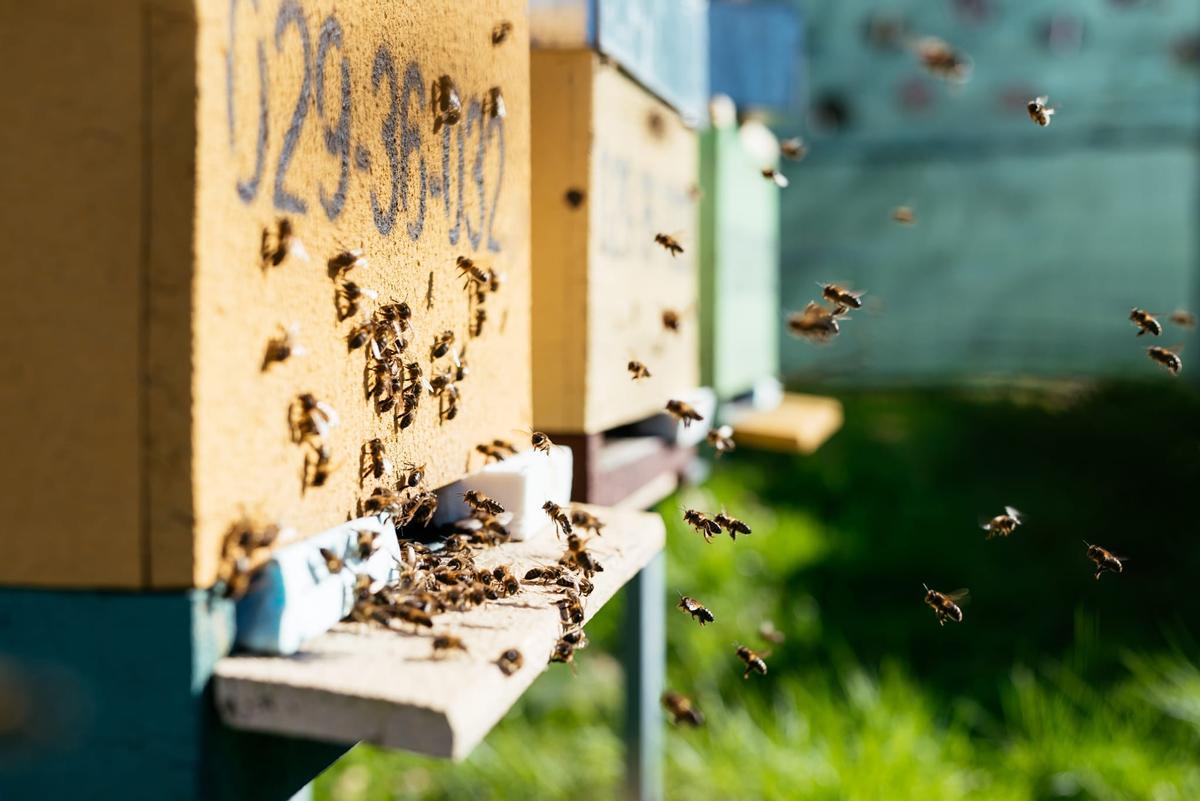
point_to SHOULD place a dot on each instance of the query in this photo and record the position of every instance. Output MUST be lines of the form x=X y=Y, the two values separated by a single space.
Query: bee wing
x=960 y=596
x=1015 y=514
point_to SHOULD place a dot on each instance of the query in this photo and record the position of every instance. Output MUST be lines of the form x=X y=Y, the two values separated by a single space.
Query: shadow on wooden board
x=106 y=696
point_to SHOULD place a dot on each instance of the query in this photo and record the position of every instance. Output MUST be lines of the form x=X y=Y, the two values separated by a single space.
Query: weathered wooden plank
x=384 y=687
x=799 y=424
x=614 y=167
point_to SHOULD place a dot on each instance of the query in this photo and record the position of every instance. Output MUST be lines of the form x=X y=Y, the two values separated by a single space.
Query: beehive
x=613 y=167
x=166 y=139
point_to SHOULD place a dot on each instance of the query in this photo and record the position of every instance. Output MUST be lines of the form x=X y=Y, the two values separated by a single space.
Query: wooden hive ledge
x=384 y=687
x=799 y=424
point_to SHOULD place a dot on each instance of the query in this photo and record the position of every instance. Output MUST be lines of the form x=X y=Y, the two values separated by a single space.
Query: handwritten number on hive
x=495 y=129
x=386 y=67
x=337 y=138
x=411 y=143
x=290 y=13
x=247 y=189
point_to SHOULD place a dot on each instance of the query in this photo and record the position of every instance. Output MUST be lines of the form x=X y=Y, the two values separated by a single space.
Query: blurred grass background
x=1056 y=686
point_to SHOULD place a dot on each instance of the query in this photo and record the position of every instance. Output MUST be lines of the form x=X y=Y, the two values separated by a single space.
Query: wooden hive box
x=152 y=153
x=740 y=315
x=613 y=167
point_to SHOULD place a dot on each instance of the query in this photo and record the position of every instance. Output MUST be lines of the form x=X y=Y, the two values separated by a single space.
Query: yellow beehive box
x=154 y=153
x=613 y=167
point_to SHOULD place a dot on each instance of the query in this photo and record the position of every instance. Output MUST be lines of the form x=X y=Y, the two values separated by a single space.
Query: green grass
x=1056 y=686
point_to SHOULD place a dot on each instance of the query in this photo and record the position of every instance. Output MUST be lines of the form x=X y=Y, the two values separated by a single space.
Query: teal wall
x=1031 y=244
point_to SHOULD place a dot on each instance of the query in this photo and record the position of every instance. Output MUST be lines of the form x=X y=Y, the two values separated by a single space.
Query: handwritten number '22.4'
x=400 y=133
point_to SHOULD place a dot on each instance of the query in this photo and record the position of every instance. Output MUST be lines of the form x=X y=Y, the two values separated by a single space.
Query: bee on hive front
x=493 y=104
x=683 y=711
x=670 y=243
x=375 y=461
x=793 y=149
x=721 y=439
x=697 y=610
x=815 y=323
x=1167 y=358
x=311 y=417
x=702 y=523
x=283 y=346
x=441 y=344
x=1145 y=322
x=501 y=32
x=841 y=298
x=945 y=604
x=346 y=261
x=637 y=370
x=1104 y=559
x=445 y=643
x=318 y=465
x=683 y=412
x=776 y=177
x=754 y=661
x=1003 y=525
x=447 y=105
x=348 y=295
x=278 y=245
x=1039 y=112
x=471 y=273
x=671 y=320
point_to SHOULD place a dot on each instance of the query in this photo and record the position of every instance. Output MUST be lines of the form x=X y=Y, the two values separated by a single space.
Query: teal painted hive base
x=106 y=696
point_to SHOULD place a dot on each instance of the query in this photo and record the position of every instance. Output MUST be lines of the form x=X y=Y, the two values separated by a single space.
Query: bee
x=447 y=105
x=1003 y=525
x=941 y=60
x=283 y=346
x=317 y=465
x=578 y=555
x=382 y=501
x=1183 y=318
x=580 y=584
x=477 y=323
x=904 y=215
x=721 y=439
x=1167 y=358
x=491 y=451
x=945 y=605
x=570 y=609
x=408 y=413
x=754 y=661
x=1104 y=559
x=501 y=32
x=563 y=652
x=442 y=343
x=576 y=638
x=504 y=446
x=1038 y=111
x=448 y=409
x=841 y=298
x=510 y=661
x=776 y=177
x=471 y=273
x=495 y=280
x=444 y=643
x=366 y=544
x=413 y=475
x=504 y=577
x=421 y=508
x=731 y=524
x=683 y=712
x=793 y=149
x=562 y=523
x=584 y=520
x=333 y=562
x=1145 y=322
x=541 y=442
x=347 y=297
x=769 y=633
x=359 y=335
x=574 y=197
x=814 y=323
x=346 y=261
x=482 y=503
x=696 y=609
x=670 y=243
x=683 y=412
x=544 y=573
x=493 y=104
x=311 y=417
x=282 y=244
x=671 y=320
x=702 y=523
x=413 y=616
x=375 y=461
x=637 y=370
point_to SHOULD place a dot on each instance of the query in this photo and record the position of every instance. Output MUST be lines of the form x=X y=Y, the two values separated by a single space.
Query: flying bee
x=945 y=604
x=283 y=243
x=721 y=439
x=793 y=149
x=333 y=562
x=683 y=711
x=697 y=610
x=683 y=412
x=671 y=320
x=375 y=461
x=563 y=652
x=776 y=177
x=815 y=323
x=493 y=104
x=447 y=105
x=1167 y=358
x=346 y=261
x=481 y=503
x=1145 y=322
x=754 y=661
x=1039 y=112
x=1182 y=318
x=702 y=523
x=731 y=524
x=317 y=465
x=770 y=634
x=366 y=543
x=348 y=295
x=579 y=556
x=670 y=243
x=444 y=643
x=442 y=343
x=501 y=32
x=382 y=501
x=941 y=60
x=510 y=661
x=1104 y=559
x=562 y=523
x=283 y=346
x=1003 y=525
x=904 y=215
x=637 y=370
x=584 y=520
x=311 y=417
x=841 y=297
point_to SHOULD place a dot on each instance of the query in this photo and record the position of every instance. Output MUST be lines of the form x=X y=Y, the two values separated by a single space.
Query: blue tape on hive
x=756 y=54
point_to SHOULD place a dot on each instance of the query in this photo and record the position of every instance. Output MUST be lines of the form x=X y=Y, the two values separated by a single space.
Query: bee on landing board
x=584 y=520
x=444 y=643
x=702 y=523
x=1039 y=112
x=815 y=323
x=1104 y=559
x=501 y=32
x=563 y=652
x=578 y=556
x=1167 y=358
x=683 y=412
x=721 y=439
x=541 y=442
x=1145 y=322
x=754 y=661
x=945 y=604
x=447 y=105
x=731 y=524
x=333 y=562
x=562 y=522
x=670 y=243
x=683 y=711
x=697 y=610
x=1003 y=525
x=841 y=298
x=637 y=370
x=775 y=177
x=793 y=149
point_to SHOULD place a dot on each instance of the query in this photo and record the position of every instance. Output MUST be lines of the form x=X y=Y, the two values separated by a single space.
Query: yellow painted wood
x=800 y=423
x=601 y=282
x=134 y=381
